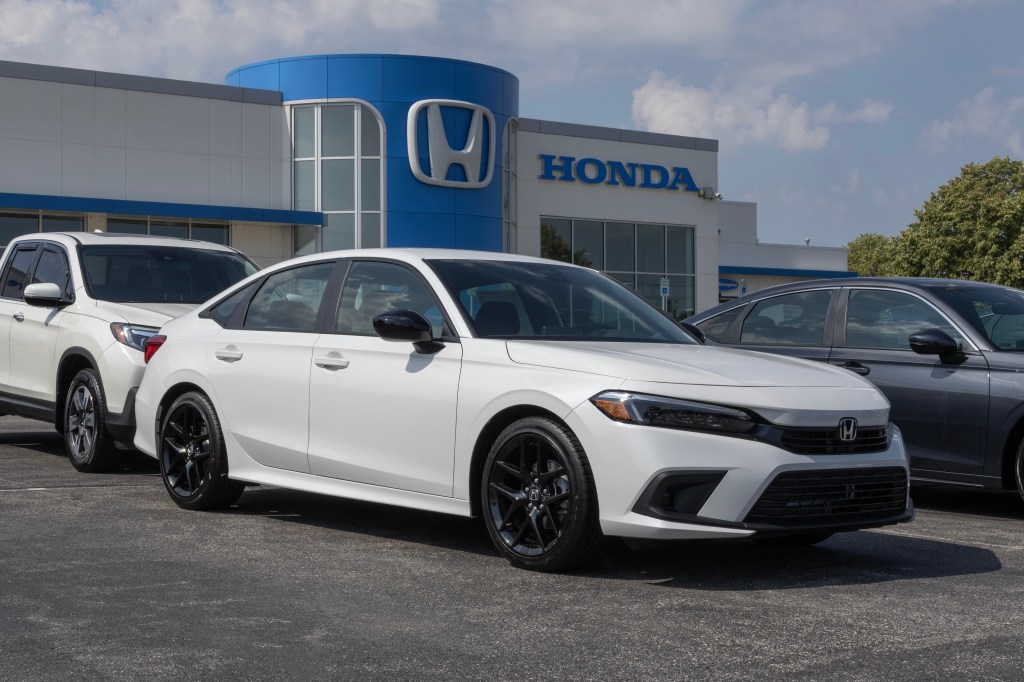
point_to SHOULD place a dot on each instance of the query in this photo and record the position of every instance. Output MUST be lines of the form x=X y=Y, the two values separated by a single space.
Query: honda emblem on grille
x=848 y=429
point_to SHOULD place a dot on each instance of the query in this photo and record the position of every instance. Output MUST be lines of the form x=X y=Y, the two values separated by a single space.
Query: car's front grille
x=831 y=497
x=827 y=442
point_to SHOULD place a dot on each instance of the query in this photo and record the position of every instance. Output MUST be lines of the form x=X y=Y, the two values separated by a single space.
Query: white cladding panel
x=538 y=198
x=738 y=245
x=84 y=141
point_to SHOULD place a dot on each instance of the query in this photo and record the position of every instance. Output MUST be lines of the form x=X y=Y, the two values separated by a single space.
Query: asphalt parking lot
x=104 y=578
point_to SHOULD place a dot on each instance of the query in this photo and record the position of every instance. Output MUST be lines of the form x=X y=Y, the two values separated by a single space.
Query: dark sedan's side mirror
x=934 y=342
x=405 y=326
x=694 y=331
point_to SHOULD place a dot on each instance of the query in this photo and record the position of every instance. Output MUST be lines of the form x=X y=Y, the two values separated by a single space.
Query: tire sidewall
x=217 y=468
x=1018 y=469
x=583 y=500
x=91 y=461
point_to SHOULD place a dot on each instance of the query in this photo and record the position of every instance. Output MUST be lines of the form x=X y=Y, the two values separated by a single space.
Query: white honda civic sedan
x=544 y=397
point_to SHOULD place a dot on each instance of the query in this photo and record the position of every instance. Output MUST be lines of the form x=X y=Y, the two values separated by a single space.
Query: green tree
x=972 y=227
x=869 y=254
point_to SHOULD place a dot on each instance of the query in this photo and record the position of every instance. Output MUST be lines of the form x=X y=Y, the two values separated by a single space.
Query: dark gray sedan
x=948 y=354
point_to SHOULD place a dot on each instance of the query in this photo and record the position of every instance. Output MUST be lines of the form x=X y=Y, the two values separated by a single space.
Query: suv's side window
x=290 y=300
x=886 y=319
x=372 y=288
x=52 y=268
x=796 y=319
x=715 y=327
x=17 y=272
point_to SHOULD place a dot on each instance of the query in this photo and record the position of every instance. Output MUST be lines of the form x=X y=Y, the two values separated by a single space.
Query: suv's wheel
x=538 y=496
x=90 y=448
x=193 y=461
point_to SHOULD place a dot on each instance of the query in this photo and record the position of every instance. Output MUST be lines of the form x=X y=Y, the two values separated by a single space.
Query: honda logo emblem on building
x=848 y=429
x=442 y=155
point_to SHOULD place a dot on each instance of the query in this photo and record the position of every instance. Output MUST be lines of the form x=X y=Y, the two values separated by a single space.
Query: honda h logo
x=441 y=153
x=848 y=429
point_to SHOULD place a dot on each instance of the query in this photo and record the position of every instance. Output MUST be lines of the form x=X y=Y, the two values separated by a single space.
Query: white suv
x=75 y=312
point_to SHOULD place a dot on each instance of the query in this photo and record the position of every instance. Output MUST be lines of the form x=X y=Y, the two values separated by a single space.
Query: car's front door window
x=876 y=318
x=374 y=287
x=53 y=269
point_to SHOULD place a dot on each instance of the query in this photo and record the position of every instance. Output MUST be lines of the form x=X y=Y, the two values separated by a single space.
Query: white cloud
x=983 y=115
x=755 y=116
x=851 y=187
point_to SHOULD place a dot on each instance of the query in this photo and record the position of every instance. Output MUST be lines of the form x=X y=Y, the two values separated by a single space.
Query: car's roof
x=412 y=255
x=114 y=238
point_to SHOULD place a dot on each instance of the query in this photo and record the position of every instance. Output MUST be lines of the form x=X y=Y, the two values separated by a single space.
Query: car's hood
x=681 y=364
x=148 y=314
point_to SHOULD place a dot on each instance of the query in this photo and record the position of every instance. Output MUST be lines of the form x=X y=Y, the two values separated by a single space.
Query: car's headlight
x=672 y=413
x=132 y=335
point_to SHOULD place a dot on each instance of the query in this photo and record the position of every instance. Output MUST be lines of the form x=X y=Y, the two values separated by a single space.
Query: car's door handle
x=856 y=368
x=19 y=317
x=331 y=362
x=229 y=354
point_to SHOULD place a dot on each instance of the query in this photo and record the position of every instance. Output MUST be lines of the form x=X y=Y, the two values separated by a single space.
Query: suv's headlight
x=132 y=335
x=672 y=413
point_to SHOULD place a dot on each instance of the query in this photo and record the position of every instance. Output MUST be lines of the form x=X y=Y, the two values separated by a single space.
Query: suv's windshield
x=996 y=312
x=160 y=274
x=508 y=299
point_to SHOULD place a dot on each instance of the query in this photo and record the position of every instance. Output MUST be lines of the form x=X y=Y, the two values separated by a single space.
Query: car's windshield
x=160 y=274
x=510 y=299
x=994 y=311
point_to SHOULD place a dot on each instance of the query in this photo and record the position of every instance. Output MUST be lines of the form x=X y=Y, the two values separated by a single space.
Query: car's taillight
x=153 y=344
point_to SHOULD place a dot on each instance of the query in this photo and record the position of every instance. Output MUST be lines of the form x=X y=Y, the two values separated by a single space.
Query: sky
x=837 y=117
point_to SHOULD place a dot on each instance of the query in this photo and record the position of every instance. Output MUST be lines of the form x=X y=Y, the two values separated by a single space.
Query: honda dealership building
x=305 y=154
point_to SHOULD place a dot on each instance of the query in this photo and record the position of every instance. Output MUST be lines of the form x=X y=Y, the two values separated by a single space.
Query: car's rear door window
x=715 y=327
x=290 y=300
x=796 y=319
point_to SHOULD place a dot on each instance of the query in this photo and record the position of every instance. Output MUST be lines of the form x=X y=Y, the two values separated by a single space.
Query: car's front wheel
x=538 y=496
x=1018 y=469
x=193 y=461
x=90 y=448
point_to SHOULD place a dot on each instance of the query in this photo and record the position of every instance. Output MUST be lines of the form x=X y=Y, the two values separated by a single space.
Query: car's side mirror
x=694 y=331
x=45 y=295
x=934 y=342
x=406 y=326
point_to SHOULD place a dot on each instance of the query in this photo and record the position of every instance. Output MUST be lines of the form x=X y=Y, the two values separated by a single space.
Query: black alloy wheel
x=90 y=448
x=1018 y=469
x=193 y=462
x=540 y=506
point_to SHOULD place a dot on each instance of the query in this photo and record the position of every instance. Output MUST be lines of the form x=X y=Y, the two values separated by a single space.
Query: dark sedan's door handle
x=856 y=368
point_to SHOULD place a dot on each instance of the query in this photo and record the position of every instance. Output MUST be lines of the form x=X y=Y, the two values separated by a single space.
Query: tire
x=795 y=540
x=538 y=497
x=1018 y=469
x=193 y=461
x=90 y=448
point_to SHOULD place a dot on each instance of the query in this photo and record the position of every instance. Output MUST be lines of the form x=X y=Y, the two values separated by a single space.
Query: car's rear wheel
x=193 y=461
x=90 y=448
x=1018 y=469
x=795 y=540
x=538 y=495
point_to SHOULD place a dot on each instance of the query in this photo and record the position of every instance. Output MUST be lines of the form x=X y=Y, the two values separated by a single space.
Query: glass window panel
x=339 y=232
x=796 y=319
x=304 y=239
x=374 y=288
x=588 y=244
x=650 y=248
x=304 y=186
x=222 y=312
x=680 y=296
x=338 y=130
x=304 y=120
x=369 y=134
x=14 y=282
x=338 y=191
x=52 y=269
x=680 y=249
x=290 y=300
x=626 y=278
x=126 y=226
x=649 y=286
x=168 y=228
x=13 y=225
x=55 y=223
x=621 y=246
x=369 y=184
x=556 y=239
x=716 y=327
x=369 y=231
x=217 y=234
x=887 y=319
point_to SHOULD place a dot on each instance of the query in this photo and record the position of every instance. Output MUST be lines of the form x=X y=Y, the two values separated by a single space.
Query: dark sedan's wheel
x=90 y=448
x=193 y=462
x=540 y=505
x=795 y=540
x=1018 y=469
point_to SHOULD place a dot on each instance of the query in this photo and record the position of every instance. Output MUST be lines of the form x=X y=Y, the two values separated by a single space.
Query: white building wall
x=738 y=245
x=538 y=198
x=85 y=141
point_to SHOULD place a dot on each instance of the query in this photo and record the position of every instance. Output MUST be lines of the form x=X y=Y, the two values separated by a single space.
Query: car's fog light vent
x=673 y=495
x=833 y=497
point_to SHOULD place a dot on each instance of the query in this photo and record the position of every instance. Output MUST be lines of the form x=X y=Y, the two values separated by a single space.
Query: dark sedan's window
x=715 y=327
x=796 y=319
x=887 y=319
